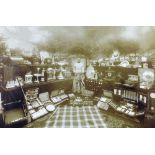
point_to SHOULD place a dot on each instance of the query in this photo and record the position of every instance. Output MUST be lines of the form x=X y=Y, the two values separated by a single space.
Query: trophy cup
x=62 y=70
x=43 y=56
x=37 y=75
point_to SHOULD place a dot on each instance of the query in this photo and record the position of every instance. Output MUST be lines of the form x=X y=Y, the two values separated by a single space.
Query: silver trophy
x=37 y=75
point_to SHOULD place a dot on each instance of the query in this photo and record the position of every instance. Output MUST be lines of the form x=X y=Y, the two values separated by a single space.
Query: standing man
x=79 y=70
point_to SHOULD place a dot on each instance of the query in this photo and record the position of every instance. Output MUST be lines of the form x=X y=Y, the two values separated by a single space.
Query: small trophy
x=37 y=75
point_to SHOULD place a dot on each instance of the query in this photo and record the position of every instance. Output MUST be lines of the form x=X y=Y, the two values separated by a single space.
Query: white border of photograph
x=77 y=13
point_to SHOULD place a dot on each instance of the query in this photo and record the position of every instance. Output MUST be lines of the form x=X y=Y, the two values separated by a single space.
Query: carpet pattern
x=76 y=117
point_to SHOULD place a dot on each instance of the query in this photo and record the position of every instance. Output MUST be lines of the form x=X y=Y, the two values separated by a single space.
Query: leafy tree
x=16 y=52
x=3 y=46
x=81 y=49
x=124 y=46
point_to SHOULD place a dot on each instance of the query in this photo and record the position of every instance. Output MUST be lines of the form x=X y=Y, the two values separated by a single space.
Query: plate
x=50 y=108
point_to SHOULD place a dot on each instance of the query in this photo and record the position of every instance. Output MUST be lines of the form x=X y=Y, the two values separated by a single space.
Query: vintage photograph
x=77 y=76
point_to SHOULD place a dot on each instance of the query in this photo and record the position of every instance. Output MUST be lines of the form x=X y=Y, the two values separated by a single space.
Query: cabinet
x=15 y=93
x=13 y=98
x=151 y=97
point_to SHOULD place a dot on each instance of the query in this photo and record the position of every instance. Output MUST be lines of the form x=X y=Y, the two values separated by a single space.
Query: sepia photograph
x=77 y=76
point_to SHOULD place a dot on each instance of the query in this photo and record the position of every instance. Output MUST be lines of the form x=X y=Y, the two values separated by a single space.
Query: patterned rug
x=76 y=117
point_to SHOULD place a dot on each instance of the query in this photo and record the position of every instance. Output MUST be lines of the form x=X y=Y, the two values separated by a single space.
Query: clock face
x=152 y=95
x=148 y=76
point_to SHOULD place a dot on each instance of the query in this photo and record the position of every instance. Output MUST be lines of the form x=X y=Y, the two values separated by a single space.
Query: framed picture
x=133 y=78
